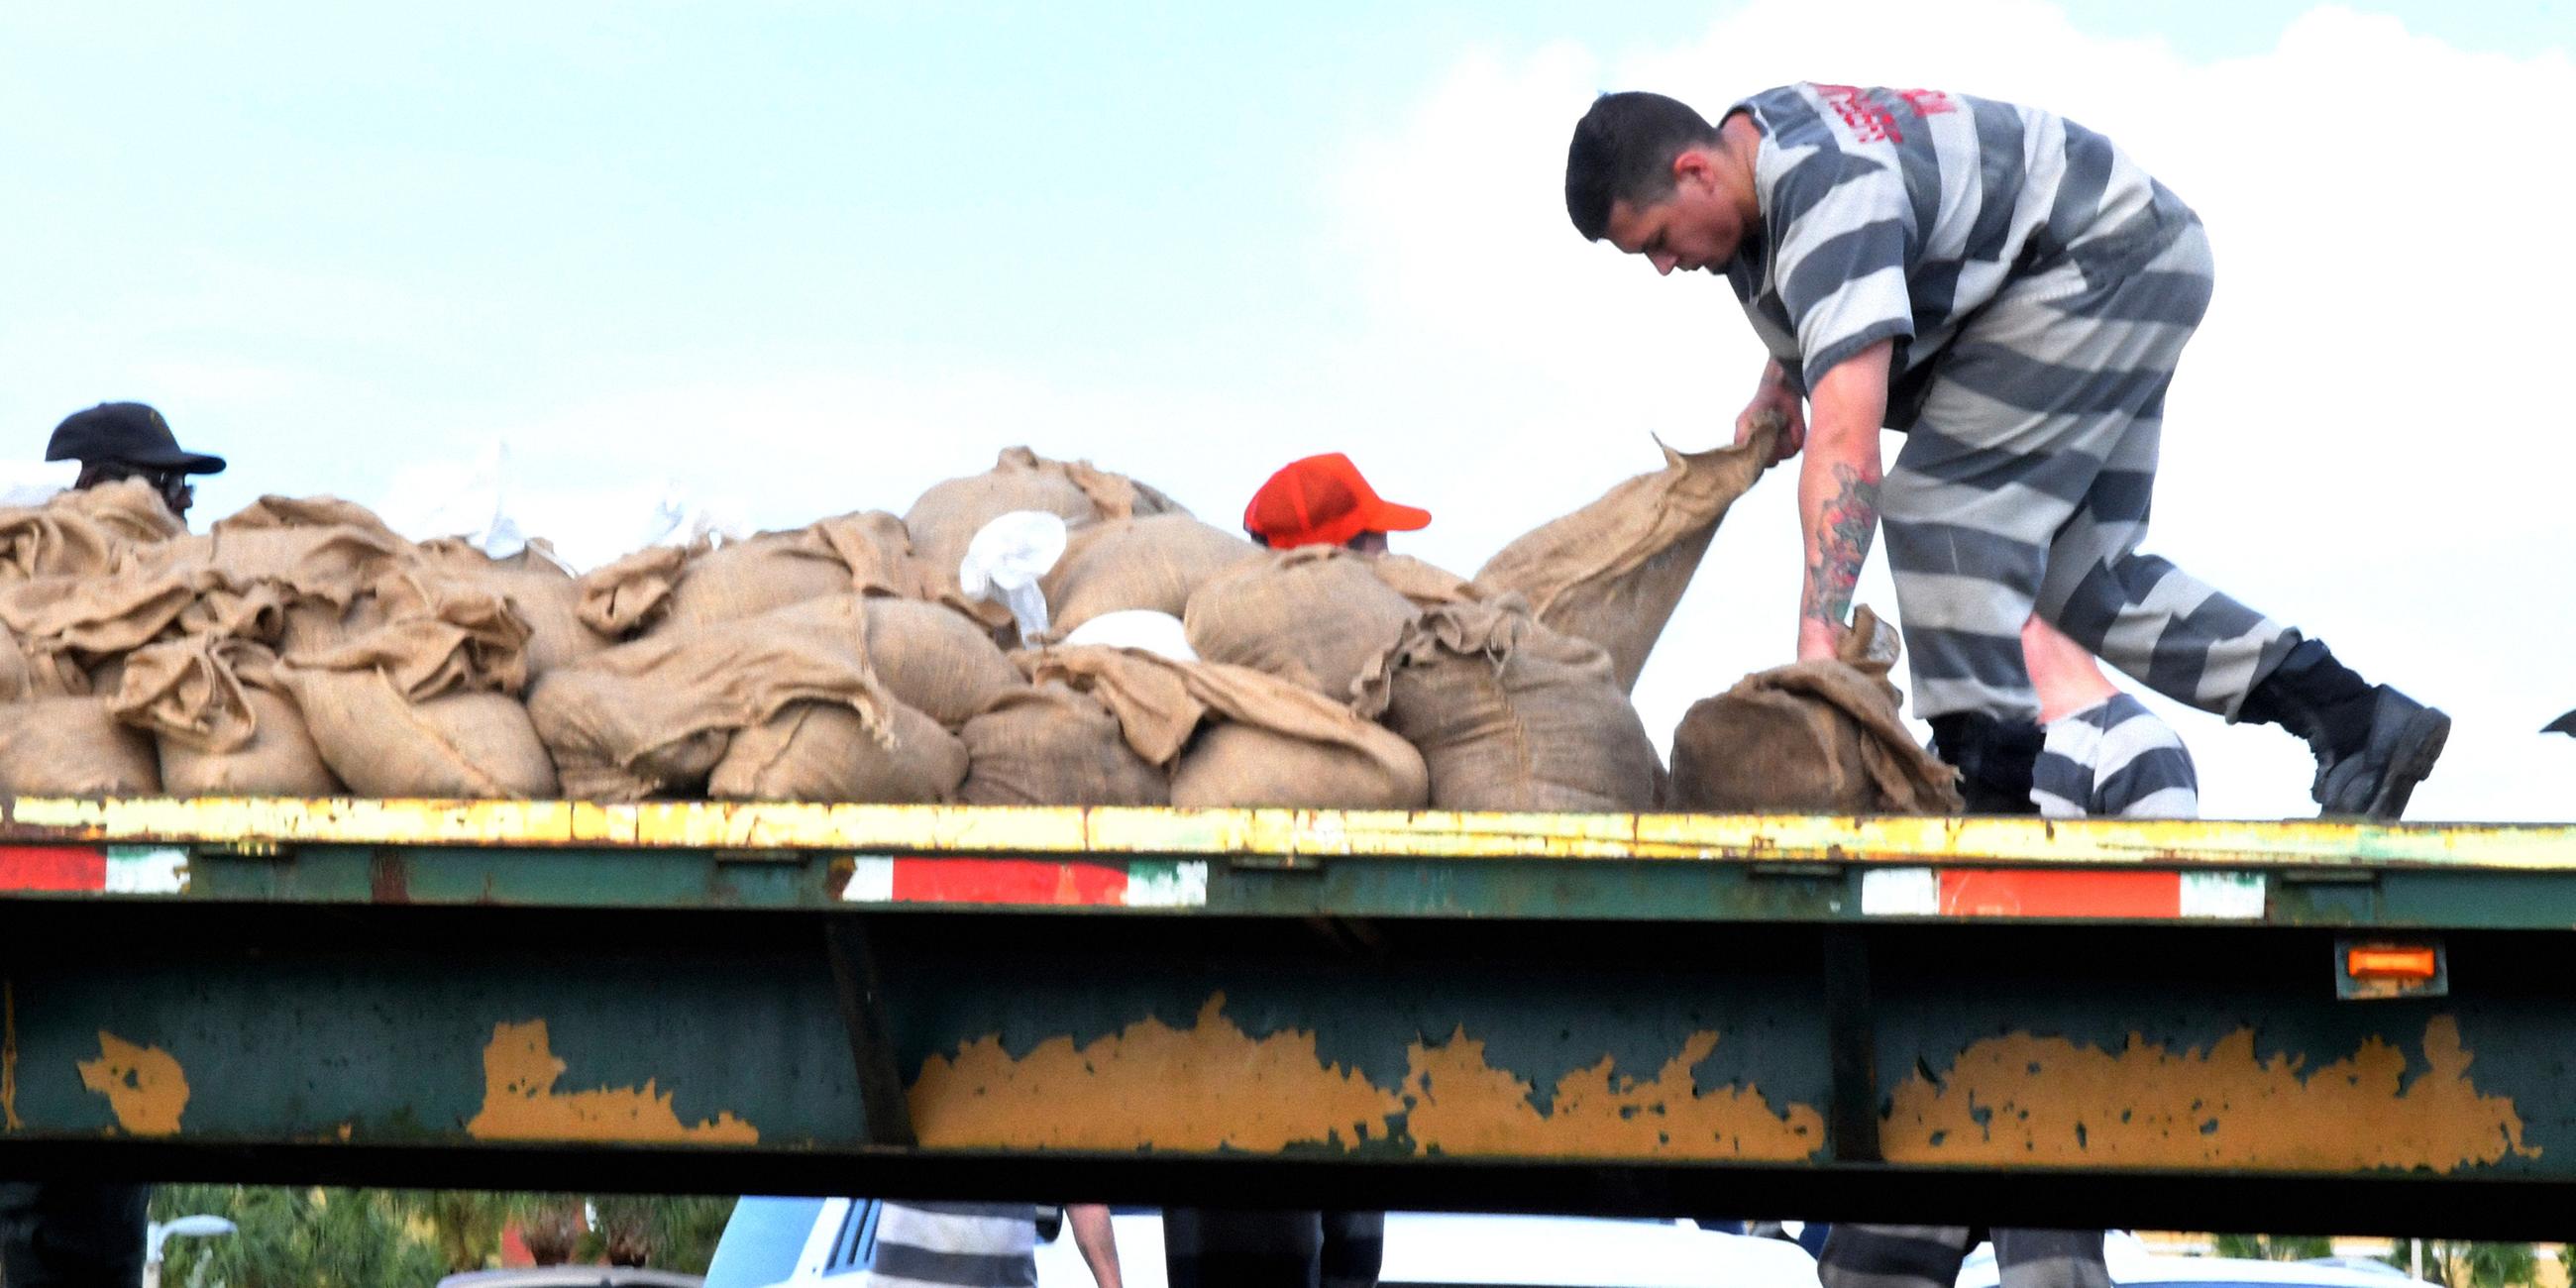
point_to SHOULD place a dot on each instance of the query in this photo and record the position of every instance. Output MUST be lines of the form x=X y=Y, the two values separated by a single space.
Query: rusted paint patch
x=1209 y=1086
x=2032 y=1100
x=1212 y=1086
x=1461 y=1104
x=520 y=1101
x=145 y=1087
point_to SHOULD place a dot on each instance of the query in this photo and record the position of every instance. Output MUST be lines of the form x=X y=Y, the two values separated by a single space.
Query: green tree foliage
x=2273 y=1247
x=2462 y=1264
x=329 y=1238
x=289 y=1238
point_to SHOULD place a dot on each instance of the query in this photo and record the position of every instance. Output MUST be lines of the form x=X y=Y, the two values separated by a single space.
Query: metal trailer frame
x=1974 y=1020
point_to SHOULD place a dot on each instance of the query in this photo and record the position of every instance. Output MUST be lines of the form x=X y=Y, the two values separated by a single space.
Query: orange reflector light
x=2389 y=963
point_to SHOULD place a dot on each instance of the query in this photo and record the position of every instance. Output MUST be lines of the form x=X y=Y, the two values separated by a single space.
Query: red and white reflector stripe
x=2061 y=894
x=1028 y=882
x=89 y=869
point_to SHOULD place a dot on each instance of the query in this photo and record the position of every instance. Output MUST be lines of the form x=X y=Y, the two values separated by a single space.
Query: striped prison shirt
x=2114 y=759
x=955 y=1245
x=1897 y=213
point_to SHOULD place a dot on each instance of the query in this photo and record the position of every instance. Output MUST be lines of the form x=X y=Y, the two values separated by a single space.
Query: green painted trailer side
x=1986 y=1020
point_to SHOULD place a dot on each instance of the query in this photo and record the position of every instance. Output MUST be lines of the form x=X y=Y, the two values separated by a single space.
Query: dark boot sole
x=2422 y=739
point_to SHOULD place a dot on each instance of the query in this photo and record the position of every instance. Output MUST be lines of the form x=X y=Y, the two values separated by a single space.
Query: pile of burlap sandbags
x=300 y=647
x=296 y=648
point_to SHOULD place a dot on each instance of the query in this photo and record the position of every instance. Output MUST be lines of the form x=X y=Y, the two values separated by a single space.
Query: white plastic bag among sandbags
x=1004 y=561
x=1160 y=634
x=1316 y=616
x=1613 y=571
x=945 y=519
x=1512 y=716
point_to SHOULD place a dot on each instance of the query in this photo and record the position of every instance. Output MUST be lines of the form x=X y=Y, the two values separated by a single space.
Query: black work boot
x=2372 y=743
x=1994 y=759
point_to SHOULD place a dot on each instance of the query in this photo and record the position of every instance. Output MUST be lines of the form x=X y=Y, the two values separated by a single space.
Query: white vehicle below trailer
x=823 y=1243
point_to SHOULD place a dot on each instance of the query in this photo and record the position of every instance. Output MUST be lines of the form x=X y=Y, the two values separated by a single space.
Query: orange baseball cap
x=1323 y=501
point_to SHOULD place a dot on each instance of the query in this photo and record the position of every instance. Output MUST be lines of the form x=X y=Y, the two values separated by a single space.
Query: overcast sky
x=791 y=259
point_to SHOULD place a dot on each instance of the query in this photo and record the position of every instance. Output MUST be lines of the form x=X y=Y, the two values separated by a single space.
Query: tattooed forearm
x=1844 y=529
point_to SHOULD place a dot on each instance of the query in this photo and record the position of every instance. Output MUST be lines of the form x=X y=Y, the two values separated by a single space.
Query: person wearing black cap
x=92 y=1232
x=128 y=440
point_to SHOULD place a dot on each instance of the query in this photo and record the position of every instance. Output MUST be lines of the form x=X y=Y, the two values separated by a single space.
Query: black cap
x=128 y=432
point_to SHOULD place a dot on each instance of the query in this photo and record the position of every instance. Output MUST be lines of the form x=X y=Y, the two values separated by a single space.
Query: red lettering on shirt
x=1862 y=115
x=1871 y=121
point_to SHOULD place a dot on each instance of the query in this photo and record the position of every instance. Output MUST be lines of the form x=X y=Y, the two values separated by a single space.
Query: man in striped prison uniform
x=2013 y=291
x=2105 y=755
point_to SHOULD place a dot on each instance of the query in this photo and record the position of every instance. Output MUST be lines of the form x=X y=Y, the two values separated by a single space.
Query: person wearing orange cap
x=1324 y=501
x=1318 y=501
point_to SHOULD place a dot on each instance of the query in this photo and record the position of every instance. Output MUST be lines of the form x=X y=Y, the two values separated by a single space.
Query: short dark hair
x=1623 y=150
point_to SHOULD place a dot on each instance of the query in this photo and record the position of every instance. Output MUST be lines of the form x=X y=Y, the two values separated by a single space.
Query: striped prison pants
x=2114 y=759
x=2025 y=483
x=1928 y=1256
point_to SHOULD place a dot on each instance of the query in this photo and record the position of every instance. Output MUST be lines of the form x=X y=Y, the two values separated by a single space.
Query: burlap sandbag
x=68 y=623
x=1050 y=744
x=25 y=674
x=472 y=745
x=945 y=518
x=1815 y=737
x=1233 y=736
x=1612 y=571
x=421 y=705
x=1151 y=563
x=866 y=551
x=315 y=547
x=537 y=588
x=622 y=599
x=821 y=751
x=656 y=716
x=1510 y=715
x=73 y=747
x=1316 y=616
x=746 y=578
x=932 y=658
x=1426 y=585
x=223 y=721
x=83 y=532
x=440 y=635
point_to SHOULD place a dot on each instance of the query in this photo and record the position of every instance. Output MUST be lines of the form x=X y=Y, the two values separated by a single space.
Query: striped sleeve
x=1840 y=268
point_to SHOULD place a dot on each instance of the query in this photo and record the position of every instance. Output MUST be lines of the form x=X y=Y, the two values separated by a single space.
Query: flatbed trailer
x=2210 y=1025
